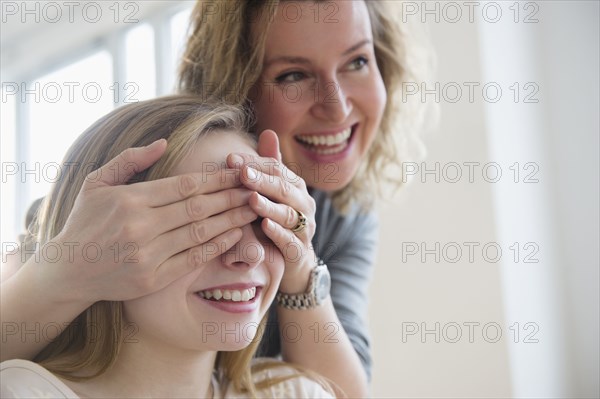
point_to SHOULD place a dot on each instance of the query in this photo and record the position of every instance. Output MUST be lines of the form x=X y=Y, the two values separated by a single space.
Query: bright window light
x=140 y=70
x=179 y=35
x=69 y=100
x=10 y=167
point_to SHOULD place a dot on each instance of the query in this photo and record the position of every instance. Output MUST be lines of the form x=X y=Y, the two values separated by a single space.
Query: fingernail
x=262 y=202
x=270 y=224
x=251 y=173
x=237 y=160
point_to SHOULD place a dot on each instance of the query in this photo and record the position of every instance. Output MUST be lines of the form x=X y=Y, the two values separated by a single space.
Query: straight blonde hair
x=223 y=60
x=93 y=340
x=91 y=343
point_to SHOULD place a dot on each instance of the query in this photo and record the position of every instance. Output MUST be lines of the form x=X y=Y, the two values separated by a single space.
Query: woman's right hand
x=125 y=241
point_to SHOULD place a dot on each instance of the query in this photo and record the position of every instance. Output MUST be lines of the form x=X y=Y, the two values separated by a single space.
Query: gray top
x=347 y=244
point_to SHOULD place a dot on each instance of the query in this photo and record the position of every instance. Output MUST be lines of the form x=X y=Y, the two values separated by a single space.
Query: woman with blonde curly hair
x=324 y=82
x=326 y=77
x=195 y=337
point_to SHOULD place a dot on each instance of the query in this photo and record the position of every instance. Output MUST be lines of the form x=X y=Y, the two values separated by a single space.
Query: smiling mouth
x=326 y=144
x=220 y=295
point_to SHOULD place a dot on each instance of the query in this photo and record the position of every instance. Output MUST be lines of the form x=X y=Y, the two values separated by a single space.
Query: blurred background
x=487 y=280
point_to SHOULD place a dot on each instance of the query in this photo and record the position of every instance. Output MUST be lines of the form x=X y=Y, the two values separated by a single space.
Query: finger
x=125 y=165
x=284 y=240
x=281 y=214
x=198 y=233
x=249 y=163
x=268 y=145
x=299 y=259
x=173 y=189
x=200 y=207
x=267 y=165
x=277 y=188
x=190 y=260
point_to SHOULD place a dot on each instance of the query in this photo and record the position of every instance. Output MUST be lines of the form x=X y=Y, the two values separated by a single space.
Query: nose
x=249 y=252
x=332 y=102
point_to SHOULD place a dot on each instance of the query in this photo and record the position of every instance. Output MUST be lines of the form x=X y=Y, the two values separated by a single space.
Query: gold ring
x=301 y=225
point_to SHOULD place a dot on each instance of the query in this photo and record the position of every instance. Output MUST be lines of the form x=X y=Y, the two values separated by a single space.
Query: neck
x=149 y=369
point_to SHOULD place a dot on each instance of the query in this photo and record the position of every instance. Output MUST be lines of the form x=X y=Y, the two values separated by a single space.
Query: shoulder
x=324 y=203
x=25 y=379
x=289 y=382
x=333 y=225
x=293 y=384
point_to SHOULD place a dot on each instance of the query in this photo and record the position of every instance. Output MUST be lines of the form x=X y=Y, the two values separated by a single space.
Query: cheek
x=375 y=99
x=150 y=310
x=278 y=267
x=146 y=312
x=274 y=111
x=276 y=262
x=275 y=268
x=283 y=118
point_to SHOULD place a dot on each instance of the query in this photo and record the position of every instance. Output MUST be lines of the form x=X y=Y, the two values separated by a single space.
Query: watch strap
x=302 y=301
x=295 y=301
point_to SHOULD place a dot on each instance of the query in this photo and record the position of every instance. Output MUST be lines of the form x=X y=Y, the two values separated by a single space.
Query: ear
x=268 y=145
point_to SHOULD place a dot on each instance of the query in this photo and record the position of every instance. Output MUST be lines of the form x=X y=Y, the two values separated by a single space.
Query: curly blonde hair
x=224 y=56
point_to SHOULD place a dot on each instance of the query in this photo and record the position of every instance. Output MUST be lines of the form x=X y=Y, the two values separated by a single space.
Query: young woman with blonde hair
x=195 y=337
x=324 y=80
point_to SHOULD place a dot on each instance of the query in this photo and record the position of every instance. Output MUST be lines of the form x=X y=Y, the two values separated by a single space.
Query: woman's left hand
x=279 y=194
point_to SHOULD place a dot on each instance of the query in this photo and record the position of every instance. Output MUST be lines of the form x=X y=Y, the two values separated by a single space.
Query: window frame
x=114 y=43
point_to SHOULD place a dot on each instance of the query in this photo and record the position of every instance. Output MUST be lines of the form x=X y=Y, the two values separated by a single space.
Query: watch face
x=323 y=285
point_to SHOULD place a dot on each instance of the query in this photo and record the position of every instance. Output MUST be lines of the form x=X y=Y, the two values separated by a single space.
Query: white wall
x=558 y=215
x=561 y=52
x=410 y=290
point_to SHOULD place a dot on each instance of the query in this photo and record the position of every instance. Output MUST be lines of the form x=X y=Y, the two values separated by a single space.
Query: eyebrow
x=305 y=61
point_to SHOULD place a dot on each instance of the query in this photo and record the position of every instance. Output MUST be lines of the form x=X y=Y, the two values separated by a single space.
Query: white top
x=25 y=379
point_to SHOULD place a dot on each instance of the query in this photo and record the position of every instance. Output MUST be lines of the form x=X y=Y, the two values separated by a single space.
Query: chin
x=328 y=187
x=234 y=347
x=229 y=336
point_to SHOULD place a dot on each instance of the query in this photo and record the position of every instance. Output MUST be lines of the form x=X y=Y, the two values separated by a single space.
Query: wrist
x=55 y=279
x=297 y=280
x=319 y=285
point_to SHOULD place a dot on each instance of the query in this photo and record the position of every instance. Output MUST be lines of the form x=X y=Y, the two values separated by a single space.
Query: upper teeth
x=332 y=139
x=230 y=295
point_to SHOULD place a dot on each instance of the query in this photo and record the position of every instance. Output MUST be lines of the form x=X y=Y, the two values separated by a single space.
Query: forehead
x=211 y=150
x=307 y=27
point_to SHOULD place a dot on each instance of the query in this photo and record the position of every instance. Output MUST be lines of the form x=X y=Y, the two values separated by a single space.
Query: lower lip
x=326 y=158
x=234 y=307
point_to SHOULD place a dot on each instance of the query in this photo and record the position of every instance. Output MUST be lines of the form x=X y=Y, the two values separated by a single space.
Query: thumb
x=268 y=145
x=124 y=166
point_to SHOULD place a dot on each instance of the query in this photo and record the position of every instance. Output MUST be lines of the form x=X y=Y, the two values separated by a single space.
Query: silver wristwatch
x=318 y=290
